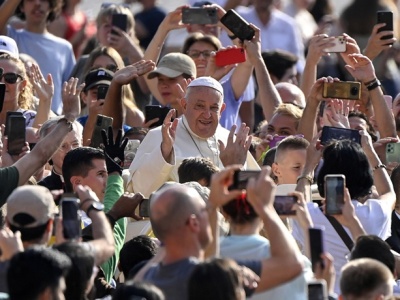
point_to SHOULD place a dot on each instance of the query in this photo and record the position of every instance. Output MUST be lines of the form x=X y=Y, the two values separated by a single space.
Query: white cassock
x=149 y=170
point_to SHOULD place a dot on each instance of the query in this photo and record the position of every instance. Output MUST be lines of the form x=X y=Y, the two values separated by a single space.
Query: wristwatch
x=98 y=206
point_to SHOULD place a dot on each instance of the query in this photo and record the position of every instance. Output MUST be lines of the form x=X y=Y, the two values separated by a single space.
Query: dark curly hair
x=347 y=157
x=55 y=10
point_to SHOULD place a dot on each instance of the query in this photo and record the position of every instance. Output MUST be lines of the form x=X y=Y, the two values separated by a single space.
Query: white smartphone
x=340 y=45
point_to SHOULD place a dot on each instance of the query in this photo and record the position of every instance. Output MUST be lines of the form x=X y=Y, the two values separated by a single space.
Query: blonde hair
x=26 y=95
x=107 y=12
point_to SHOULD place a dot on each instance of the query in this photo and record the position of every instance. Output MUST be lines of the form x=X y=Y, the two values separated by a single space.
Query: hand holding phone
x=240 y=179
x=152 y=112
x=144 y=208
x=334 y=133
x=120 y=21
x=387 y=18
x=317 y=290
x=102 y=92
x=284 y=205
x=342 y=90
x=16 y=134
x=339 y=45
x=199 y=15
x=102 y=122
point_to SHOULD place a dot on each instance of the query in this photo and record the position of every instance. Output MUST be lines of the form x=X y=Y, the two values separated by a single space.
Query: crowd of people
x=256 y=178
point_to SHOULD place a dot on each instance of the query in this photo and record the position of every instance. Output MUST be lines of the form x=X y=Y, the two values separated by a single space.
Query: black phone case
x=239 y=26
x=156 y=111
x=2 y=94
x=10 y=113
x=102 y=122
x=144 y=208
x=335 y=133
x=120 y=21
x=70 y=219
x=385 y=17
x=102 y=92
x=16 y=134
x=199 y=15
x=316 y=246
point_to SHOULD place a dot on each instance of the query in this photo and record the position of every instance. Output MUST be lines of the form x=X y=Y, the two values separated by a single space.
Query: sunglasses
x=111 y=67
x=11 y=77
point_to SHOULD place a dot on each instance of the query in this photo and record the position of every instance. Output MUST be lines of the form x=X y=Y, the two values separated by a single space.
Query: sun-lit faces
x=202 y=108
x=202 y=60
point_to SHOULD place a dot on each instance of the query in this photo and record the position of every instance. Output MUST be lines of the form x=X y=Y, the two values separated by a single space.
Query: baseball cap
x=174 y=64
x=9 y=46
x=207 y=81
x=98 y=77
x=30 y=206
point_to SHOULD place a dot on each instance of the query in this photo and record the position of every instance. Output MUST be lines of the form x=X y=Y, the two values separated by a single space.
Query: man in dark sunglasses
x=54 y=55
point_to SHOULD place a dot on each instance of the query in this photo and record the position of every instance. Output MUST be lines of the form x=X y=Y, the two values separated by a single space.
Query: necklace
x=198 y=148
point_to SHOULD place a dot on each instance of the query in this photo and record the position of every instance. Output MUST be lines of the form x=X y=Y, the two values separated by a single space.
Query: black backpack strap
x=341 y=232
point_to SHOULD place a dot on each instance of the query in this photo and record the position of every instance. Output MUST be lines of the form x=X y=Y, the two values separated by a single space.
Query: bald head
x=291 y=93
x=171 y=207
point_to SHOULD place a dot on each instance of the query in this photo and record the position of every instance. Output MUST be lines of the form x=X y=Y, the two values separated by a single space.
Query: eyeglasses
x=196 y=53
x=11 y=77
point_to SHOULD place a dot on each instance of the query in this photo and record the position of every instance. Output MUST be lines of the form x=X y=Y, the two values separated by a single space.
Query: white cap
x=208 y=82
x=9 y=46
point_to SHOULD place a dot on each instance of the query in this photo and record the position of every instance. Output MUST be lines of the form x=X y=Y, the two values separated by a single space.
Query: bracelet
x=307 y=177
x=380 y=166
x=69 y=123
x=373 y=85
x=371 y=81
x=111 y=220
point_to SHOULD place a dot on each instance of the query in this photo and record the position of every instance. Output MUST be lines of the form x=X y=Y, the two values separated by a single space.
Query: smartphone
x=230 y=56
x=144 y=208
x=340 y=45
x=102 y=122
x=16 y=134
x=317 y=290
x=240 y=179
x=102 y=92
x=387 y=18
x=71 y=219
x=342 y=90
x=130 y=152
x=334 y=193
x=156 y=111
x=2 y=94
x=283 y=205
x=199 y=15
x=316 y=246
x=239 y=26
x=8 y=114
x=334 y=133
x=393 y=152
x=120 y=21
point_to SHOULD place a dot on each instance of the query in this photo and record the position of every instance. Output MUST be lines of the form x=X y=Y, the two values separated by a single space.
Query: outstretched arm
x=7 y=9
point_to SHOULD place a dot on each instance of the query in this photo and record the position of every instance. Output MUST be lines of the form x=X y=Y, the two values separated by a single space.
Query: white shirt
x=149 y=170
x=374 y=215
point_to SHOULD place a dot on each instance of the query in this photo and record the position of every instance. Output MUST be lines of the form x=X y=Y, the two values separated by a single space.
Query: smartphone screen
x=71 y=219
x=120 y=21
x=316 y=246
x=16 y=134
x=144 y=208
x=334 y=133
x=334 y=194
x=240 y=179
x=102 y=92
x=284 y=204
x=239 y=26
x=387 y=18
x=317 y=290
x=2 y=94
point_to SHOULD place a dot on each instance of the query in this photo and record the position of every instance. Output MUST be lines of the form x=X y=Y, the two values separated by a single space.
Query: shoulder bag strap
x=341 y=232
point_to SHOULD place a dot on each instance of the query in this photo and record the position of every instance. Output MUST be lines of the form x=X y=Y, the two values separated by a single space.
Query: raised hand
x=168 y=131
x=70 y=97
x=44 y=88
x=375 y=43
x=351 y=48
x=360 y=67
x=173 y=20
x=127 y=74
x=126 y=206
x=114 y=151
x=235 y=150
x=317 y=45
x=339 y=114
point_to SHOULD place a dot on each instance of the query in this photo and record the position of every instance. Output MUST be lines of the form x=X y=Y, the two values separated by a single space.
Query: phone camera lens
x=354 y=91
